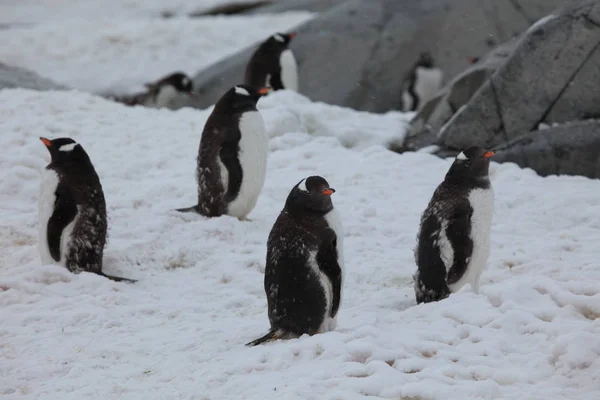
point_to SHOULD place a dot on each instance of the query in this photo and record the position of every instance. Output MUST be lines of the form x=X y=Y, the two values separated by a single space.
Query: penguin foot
x=245 y=219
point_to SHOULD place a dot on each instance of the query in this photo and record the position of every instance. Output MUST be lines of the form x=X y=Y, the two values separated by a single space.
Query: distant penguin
x=305 y=266
x=163 y=93
x=232 y=158
x=421 y=84
x=72 y=210
x=454 y=239
x=273 y=64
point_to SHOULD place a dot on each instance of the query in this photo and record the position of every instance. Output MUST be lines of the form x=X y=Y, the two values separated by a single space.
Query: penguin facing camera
x=454 y=237
x=273 y=64
x=164 y=93
x=72 y=210
x=232 y=157
x=305 y=267
x=421 y=84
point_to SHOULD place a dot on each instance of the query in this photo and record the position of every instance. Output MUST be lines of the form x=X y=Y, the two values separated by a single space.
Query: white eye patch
x=302 y=185
x=461 y=156
x=279 y=38
x=241 y=90
x=67 y=147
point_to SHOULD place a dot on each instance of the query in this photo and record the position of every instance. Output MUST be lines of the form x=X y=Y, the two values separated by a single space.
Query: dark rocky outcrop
x=16 y=77
x=357 y=53
x=568 y=149
x=296 y=5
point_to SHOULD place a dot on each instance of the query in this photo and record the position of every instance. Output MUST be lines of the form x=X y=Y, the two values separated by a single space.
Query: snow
x=179 y=332
x=119 y=55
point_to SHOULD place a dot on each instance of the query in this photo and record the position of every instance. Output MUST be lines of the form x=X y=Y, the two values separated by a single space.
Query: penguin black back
x=303 y=274
x=72 y=209
x=265 y=66
x=445 y=241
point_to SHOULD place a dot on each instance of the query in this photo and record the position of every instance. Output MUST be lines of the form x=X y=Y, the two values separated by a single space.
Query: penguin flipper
x=273 y=334
x=117 y=278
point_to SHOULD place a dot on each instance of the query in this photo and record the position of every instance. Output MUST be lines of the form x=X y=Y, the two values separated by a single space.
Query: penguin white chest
x=482 y=203
x=335 y=223
x=289 y=70
x=46 y=200
x=328 y=323
x=428 y=82
x=164 y=98
x=252 y=155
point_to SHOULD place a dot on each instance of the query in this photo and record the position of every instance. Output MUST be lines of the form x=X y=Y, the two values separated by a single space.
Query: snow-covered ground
x=179 y=332
x=119 y=55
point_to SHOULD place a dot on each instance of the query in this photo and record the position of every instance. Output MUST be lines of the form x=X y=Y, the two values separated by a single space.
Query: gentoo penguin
x=421 y=84
x=273 y=64
x=72 y=210
x=163 y=93
x=305 y=266
x=232 y=157
x=454 y=238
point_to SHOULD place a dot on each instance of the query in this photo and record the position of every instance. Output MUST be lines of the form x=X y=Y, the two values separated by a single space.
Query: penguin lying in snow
x=72 y=210
x=454 y=238
x=422 y=83
x=232 y=158
x=162 y=93
x=304 y=270
x=273 y=64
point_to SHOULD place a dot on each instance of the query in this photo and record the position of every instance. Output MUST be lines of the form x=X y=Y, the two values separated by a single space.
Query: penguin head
x=278 y=41
x=179 y=81
x=242 y=98
x=65 y=151
x=471 y=164
x=311 y=194
x=425 y=60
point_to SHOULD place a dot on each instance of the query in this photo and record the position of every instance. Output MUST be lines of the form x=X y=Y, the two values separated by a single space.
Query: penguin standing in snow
x=304 y=270
x=163 y=93
x=273 y=64
x=421 y=84
x=72 y=210
x=232 y=158
x=454 y=237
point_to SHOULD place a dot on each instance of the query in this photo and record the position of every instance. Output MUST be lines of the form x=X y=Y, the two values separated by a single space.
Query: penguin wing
x=229 y=155
x=65 y=210
x=458 y=232
x=328 y=263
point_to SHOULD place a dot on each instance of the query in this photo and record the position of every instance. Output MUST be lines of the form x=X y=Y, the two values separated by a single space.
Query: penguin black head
x=278 y=41
x=178 y=80
x=311 y=194
x=425 y=60
x=471 y=164
x=65 y=151
x=242 y=97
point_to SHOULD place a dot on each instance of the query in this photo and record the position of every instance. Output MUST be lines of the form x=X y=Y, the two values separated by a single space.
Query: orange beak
x=488 y=154
x=473 y=60
x=263 y=91
x=328 y=191
x=292 y=35
x=47 y=142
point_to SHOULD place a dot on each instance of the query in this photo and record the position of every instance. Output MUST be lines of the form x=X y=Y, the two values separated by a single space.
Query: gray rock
x=541 y=78
x=569 y=149
x=16 y=77
x=357 y=53
x=296 y=5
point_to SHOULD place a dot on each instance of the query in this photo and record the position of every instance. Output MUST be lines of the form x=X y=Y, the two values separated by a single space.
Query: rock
x=357 y=53
x=296 y=5
x=16 y=77
x=547 y=78
x=240 y=7
x=568 y=149
x=425 y=126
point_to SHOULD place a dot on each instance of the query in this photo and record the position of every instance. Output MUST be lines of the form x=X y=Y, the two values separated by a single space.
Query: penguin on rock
x=304 y=269
x=72 y=210
x=163 y=93
x=421 y=84
x=232 y=157
x=454 y=238
x=273 y=64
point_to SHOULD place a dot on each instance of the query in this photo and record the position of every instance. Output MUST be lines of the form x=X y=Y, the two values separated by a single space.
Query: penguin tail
x=188 y=209
x=117 y=278
x=273 y=334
